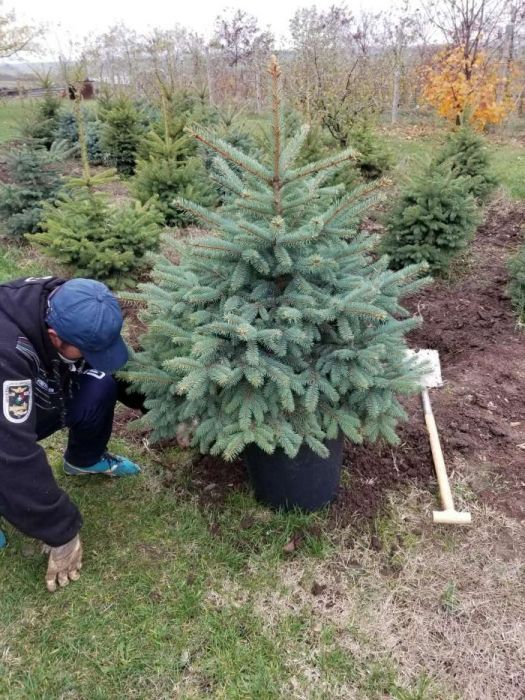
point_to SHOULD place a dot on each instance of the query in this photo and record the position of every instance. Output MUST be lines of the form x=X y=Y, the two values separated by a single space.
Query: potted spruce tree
x=280 y=334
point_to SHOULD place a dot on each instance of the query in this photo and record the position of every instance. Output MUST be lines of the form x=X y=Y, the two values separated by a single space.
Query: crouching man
x=59 y=344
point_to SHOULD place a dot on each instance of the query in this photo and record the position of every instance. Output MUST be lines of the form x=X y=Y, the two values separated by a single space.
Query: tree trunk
x=395 y=94
x=508 y=55
x=398 y=61
x=208 y=78
x=257 y=89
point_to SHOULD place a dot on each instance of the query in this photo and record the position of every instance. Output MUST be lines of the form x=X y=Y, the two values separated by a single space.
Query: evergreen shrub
x=432 y=221
x=169 y=172
x=40 y=124
x=67 y=130
x=517 y=282
x=373 y=160
x=282 y=326
x=466 y=154
x=121 y=132
x=34 y=174
x=98 y=239
x=95 y=151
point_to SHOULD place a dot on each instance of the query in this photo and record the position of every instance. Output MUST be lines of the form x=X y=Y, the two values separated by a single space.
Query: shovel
x=430 y=380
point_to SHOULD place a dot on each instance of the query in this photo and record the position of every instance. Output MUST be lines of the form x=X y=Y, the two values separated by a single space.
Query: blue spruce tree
x=281 y=327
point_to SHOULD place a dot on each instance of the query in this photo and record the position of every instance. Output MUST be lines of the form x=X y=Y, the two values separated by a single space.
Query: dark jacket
x=34 y=382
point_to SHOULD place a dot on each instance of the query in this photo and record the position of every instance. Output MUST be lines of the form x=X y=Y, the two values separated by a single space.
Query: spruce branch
x=230 y=153
x=354 y=197
x=318 y=166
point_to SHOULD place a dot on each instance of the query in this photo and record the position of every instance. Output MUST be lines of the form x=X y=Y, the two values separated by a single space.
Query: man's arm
x=129 y=397
x=30 y=498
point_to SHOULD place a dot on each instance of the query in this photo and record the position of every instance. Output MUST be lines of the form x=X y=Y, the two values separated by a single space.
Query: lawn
x=11 y=113
x=184 y=598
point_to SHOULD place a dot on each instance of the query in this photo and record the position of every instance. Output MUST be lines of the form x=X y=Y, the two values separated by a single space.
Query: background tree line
x=341 y=67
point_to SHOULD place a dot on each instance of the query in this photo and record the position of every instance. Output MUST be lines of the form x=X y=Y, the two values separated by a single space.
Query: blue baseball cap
x=84 y=313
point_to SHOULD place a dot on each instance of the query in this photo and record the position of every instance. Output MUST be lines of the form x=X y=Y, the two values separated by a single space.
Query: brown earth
x=480 y=410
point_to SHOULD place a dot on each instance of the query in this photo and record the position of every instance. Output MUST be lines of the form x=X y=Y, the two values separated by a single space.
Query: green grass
x=11 y=113
x=410 y=151
x=508 y=159
x=20 y=262
x=165 y=606
x=509 y=166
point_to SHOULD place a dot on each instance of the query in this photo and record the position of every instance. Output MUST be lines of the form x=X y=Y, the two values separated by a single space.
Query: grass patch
x=22 y=262
x=509 y=167
x=167 y=606
x=12 y=112
x=408 y=150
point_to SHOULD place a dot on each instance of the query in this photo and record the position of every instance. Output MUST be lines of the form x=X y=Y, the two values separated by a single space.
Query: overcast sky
x=82 y=19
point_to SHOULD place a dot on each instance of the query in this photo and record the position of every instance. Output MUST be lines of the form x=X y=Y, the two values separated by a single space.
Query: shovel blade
x=429 y=358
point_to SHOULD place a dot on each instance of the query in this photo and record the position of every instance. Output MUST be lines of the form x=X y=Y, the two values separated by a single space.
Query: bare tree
x=115 y=57
x=472 y=24
x=402 y=29
x=238 y=34
x=332 y=69
x=15 y=37
x=243 y=48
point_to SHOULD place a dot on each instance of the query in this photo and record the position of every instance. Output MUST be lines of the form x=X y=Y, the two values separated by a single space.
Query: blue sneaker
x=110 y=465
x=3 y=540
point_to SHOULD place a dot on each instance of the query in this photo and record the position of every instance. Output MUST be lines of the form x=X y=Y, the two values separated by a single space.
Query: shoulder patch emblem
x=17 y=400
x=39 y=279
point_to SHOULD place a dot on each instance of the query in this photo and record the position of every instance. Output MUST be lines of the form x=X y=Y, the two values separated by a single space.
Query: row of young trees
x=73 y=219
x=432 y=220
x=339 y=66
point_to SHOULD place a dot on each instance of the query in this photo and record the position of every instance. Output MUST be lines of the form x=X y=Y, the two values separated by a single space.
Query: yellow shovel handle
x=437 y=454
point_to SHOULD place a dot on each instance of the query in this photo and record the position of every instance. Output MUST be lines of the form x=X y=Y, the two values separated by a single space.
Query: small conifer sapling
x=98 y=239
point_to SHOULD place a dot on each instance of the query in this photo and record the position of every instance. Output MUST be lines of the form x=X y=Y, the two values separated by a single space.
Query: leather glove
x=64 y=563
x=185 y=431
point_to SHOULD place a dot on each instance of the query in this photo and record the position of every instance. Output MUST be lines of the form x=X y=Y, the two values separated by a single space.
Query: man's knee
x=94 y=397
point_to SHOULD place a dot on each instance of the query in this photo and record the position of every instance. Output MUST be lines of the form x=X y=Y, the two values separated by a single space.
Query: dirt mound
x=480 y=410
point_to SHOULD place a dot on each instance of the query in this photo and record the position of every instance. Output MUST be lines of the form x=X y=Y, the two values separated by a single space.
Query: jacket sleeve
x=30 y=498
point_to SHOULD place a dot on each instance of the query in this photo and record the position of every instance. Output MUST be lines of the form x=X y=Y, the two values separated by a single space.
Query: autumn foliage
x=462 y=87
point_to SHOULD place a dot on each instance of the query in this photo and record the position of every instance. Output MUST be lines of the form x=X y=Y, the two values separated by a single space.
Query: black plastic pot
x=307 y=481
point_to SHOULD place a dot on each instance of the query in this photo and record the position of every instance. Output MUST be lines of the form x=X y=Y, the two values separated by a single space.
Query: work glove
x=64 y=563
x=185 y=432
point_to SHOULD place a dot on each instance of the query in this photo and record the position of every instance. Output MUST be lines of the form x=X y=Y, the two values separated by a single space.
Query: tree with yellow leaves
x=465 y=88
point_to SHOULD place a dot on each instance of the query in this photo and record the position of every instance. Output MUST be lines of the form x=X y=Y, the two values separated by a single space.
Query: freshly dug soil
x=480 y=410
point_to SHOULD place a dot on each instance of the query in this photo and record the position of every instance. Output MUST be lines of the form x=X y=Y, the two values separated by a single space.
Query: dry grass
x=438 y=602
